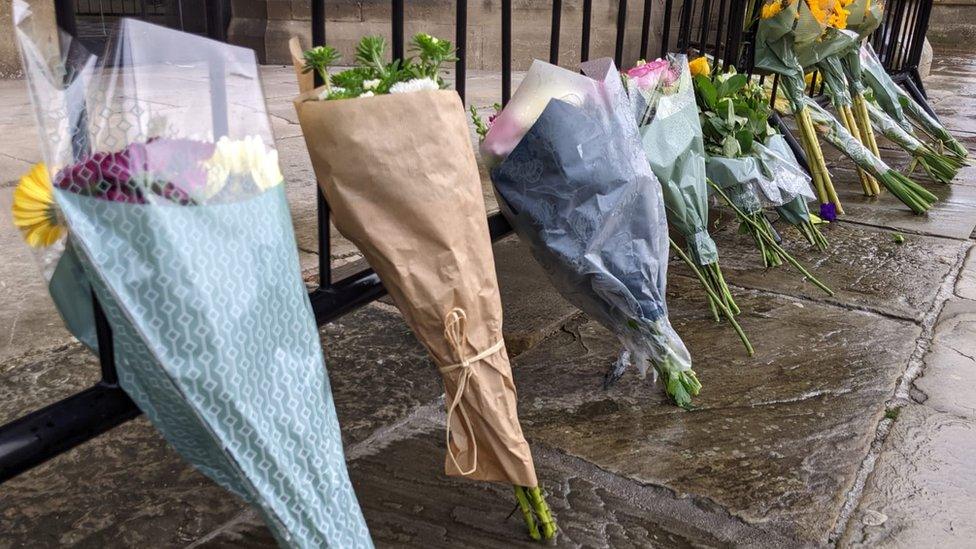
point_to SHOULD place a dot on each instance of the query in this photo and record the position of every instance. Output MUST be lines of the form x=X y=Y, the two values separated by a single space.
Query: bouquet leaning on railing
x=574 y=182
x=903 y=108
x=784 y=26
x=741 y=169
x=863 y=18
x=823 y=55
x=663 y=101
x=391 y=151
x=161 y=171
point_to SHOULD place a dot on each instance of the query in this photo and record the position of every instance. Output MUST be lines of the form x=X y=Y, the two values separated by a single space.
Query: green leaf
x=706 y=92
x=745 y=139
x=732 y=85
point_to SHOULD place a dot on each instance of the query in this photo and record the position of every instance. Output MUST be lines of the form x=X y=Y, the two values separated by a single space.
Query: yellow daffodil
x=34 y=211
x=771 y=9
x=700 y=66
x=243 y=157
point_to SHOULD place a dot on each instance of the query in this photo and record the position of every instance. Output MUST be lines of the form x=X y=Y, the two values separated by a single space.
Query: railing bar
x=396 y=23
x=554 y=29
x=585 y=38
x=666 y=32
x=461 y=41
x=706 y=21
x=323 y=221
x=645 y=29
x=506 y=51
x=718 y=34
x=618 y=50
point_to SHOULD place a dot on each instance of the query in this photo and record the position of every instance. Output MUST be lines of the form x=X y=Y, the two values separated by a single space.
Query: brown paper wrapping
x=401 y=178
x=306 y=80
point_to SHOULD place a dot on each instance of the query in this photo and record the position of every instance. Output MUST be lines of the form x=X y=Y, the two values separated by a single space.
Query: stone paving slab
x=864 y=267
x=947 y=382
x=955 y=216
x=776 y=440
x=409 y=502
x=921 y=491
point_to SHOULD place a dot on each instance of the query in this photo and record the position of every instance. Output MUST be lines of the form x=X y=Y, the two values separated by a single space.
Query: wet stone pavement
x=854 y=424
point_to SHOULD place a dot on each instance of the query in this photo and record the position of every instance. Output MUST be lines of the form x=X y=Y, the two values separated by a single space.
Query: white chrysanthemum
x=417 y=84
x=244 y=157
x=334 y=90
x=367 y=94
x=371 y=84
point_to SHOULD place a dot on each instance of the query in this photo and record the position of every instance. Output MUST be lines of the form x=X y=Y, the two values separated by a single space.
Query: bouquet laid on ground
x=902 y=108
x=663 y=102
x=573 y=180
x=169 y=191
x=915 y=196
x=747 y=174
x=409 y=196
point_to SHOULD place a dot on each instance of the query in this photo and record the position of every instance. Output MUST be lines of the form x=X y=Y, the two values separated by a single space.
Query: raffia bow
x=456 y=333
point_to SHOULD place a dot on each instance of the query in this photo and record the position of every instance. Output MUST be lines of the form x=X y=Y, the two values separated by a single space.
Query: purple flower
x=170 y=168
x=828 y=212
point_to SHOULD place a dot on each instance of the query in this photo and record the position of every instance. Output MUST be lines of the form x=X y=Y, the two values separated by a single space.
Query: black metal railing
x=715 y=27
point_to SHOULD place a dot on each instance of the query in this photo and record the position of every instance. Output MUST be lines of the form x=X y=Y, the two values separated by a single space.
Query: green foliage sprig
x=734 y=113
x=372 y=75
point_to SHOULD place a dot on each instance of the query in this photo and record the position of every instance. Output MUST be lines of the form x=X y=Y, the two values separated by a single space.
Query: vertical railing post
x=396 y=27
x=322 y=207
x=666 y=27
x=618 y=49
x=506 y=51
x=585 y=38
x=461 y=41
x=554 y=28
x=645 y=29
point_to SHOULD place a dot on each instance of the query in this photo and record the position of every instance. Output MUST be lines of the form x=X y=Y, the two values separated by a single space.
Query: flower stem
x=536 y=513
x=713 y=298
x=770 y=242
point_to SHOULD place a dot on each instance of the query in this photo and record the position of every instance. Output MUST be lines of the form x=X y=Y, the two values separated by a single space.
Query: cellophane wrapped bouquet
x=748 y=165
x=392 y=154
x=663 y=102
x=161 y=193
x=572 y=178
x=903 y=109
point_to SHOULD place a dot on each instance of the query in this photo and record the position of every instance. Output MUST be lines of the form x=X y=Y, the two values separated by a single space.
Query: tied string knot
x=456 y=333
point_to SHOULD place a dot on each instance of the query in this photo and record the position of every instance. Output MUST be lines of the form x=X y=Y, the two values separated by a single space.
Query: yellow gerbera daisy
x=34 y=211
x=700 y=66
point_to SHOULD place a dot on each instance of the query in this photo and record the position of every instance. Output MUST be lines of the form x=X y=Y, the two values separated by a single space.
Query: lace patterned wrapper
x=578 y=190
x=164 y=171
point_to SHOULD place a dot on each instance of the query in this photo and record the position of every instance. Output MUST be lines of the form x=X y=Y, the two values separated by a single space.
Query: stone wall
x=348 y=20
x=9 y=56
x=953 y=22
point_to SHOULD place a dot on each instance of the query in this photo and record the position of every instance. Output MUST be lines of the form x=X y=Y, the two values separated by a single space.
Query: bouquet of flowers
x=902 y=108
x=574 y=182
x=823 y=54
x=784 y=27
x=663 y=101
x=410 y=197
x=915 y=196
x=742 y=170
x=846 y=89
x=941 y=168
x=863 y=18
x=168 y=190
